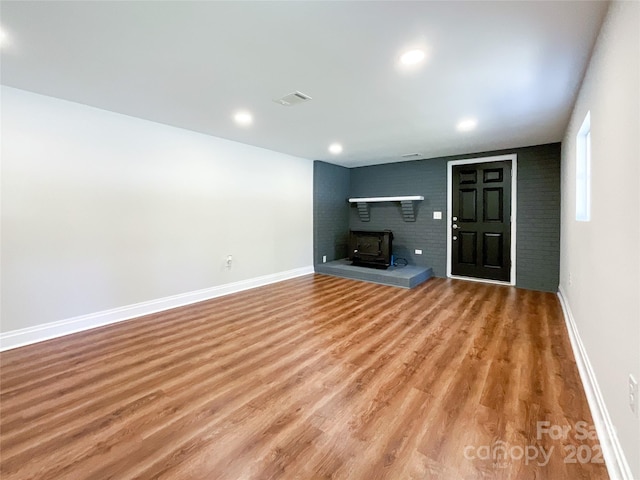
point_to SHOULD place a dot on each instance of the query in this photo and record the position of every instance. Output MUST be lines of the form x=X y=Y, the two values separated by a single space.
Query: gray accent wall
x=538 y=246
x=421 y=177
x=330 y=211
x=538 y=232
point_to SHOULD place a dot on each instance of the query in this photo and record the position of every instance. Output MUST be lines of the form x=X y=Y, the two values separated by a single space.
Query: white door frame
x=514 y=197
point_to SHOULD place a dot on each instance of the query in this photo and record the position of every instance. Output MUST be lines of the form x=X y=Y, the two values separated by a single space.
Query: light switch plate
x=437 y=215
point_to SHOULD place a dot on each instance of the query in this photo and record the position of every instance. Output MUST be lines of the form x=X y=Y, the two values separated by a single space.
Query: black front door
x=481 y=221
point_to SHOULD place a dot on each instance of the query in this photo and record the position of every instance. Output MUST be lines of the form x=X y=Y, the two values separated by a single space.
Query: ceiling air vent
x=411 y=155
x=293 y=99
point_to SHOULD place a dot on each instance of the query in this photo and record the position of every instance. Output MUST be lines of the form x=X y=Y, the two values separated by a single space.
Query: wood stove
x=370 y=249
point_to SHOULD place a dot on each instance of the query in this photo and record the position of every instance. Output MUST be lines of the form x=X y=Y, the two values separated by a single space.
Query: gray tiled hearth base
x=406 y=277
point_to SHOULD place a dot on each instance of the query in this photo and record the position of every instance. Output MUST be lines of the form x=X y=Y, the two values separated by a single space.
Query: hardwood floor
x=316 y=377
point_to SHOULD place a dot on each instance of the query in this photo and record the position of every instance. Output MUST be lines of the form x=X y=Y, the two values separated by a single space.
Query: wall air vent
x=292 y=99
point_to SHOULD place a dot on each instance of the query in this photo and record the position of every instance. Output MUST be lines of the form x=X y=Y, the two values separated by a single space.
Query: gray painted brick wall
x=422 y=177
x=330 y=211
x=538 y=232
x=538 y=247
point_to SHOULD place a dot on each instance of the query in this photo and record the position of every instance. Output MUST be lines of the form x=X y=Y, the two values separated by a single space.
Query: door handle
x=454 y=226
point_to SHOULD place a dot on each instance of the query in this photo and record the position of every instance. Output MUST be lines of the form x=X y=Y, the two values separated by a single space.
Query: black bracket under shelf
x=407 y=204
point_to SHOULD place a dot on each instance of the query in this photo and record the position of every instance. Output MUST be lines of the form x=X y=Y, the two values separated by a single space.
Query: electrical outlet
x=418 y=251
x=324 y=259
x=633 y=394
x=437 y=215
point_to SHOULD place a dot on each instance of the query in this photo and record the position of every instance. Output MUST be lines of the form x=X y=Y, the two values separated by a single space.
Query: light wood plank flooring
x=316 y=377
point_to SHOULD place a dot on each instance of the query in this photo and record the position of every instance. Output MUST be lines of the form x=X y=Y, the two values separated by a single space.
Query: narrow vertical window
x=583 y=171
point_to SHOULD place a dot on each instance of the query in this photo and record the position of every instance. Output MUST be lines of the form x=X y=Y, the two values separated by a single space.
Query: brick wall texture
x=330 y=211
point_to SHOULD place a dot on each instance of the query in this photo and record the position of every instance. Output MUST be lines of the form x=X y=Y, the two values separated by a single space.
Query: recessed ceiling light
x=3 y=38
x=335 y=148
x=412 y=57
x=243 y=118
x=467 y=124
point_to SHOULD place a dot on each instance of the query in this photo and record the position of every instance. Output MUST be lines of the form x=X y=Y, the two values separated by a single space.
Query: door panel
x=467 y=245
x=468 y=176
x=492 y=250
x=468 y=205
x=493 y=205
x=481 y=236
x=493 y=175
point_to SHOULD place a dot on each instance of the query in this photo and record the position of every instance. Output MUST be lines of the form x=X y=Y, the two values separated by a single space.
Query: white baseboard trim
x=614 y=457
x=47 y=331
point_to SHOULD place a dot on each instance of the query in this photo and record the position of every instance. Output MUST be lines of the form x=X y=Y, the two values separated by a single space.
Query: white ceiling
x=515 y=66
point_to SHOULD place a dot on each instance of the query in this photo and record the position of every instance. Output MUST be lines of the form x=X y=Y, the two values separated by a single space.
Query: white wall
x=600 y=259
x=101 y=210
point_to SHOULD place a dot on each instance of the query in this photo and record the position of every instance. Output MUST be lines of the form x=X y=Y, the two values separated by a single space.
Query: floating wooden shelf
x=387 y=199
x=406 y=202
